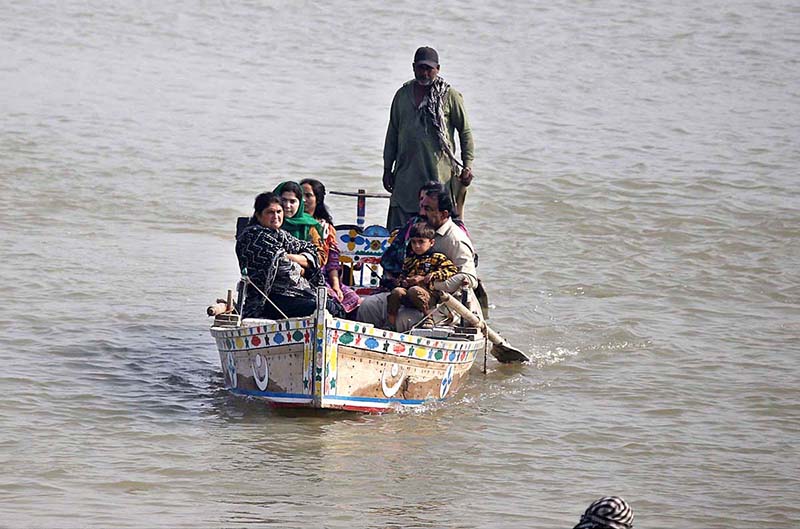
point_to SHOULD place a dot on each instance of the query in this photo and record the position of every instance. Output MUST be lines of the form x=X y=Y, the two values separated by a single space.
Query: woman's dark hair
x=443 y=200
x=422 y=230
x=263 y=201
x=321 y=210
x=293 y=187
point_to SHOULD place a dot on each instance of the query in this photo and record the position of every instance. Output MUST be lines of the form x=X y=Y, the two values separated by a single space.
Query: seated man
x=435 y=207
x=394 y=256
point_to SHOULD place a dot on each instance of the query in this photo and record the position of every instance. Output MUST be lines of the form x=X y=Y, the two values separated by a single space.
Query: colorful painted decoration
x=230 y=372
x=447 y=381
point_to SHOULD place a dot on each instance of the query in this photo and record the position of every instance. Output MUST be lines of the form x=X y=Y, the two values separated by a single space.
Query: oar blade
x=502 y=350
x=505 y=353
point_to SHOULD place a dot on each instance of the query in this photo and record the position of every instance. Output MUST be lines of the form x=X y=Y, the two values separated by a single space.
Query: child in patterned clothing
x=420 y=269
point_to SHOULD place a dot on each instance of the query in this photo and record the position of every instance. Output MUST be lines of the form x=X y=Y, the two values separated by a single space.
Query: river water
x=636 y=211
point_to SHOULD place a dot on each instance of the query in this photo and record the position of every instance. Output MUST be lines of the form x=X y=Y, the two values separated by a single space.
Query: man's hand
x=465 y=177
x=388 y=180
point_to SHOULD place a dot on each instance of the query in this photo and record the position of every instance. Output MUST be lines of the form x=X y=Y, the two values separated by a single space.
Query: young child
x=420 y=269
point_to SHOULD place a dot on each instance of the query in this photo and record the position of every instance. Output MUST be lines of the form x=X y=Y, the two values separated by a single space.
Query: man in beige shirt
x=435 y=208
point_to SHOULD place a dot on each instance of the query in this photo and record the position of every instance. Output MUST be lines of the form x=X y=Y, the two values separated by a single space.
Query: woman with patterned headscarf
x=283 y=271
x=609 y=512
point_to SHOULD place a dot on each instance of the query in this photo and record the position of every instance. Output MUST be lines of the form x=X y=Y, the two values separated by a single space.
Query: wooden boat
x=319 y=361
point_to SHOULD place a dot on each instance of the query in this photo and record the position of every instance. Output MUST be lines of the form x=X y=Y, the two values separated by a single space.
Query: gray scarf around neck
x=435 y=109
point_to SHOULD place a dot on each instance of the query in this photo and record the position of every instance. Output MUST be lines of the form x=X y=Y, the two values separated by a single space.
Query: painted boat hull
x=328 y=363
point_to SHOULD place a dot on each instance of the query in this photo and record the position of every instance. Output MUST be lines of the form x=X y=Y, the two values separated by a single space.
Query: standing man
x=420 y=141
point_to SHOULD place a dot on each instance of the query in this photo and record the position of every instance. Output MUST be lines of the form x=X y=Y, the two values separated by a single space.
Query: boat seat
x=360 y=251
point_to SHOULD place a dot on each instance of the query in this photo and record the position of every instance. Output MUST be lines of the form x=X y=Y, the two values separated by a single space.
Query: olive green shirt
x=412 y=148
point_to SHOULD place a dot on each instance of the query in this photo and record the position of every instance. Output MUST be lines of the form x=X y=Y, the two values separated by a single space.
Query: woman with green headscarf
x=296 y=221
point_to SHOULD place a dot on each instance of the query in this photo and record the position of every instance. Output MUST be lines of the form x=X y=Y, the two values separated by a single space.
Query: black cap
x=426 y=55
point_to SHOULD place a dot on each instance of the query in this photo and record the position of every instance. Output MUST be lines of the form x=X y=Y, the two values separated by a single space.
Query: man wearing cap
x=420 y=140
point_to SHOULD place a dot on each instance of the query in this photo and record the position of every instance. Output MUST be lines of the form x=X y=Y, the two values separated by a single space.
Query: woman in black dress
x=283 y=268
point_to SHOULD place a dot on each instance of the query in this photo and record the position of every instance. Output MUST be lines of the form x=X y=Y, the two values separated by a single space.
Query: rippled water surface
x=636 y=211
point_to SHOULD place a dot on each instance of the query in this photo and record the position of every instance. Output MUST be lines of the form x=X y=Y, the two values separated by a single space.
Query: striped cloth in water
x=610 y=512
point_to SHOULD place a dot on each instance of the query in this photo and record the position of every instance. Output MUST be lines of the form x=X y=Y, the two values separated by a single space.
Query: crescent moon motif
x=255 y=365
x=389 y=391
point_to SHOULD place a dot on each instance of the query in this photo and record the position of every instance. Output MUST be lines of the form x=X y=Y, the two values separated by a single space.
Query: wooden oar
x=502 y=350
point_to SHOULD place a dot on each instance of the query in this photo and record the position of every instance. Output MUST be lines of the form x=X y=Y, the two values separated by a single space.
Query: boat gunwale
x=366 y=329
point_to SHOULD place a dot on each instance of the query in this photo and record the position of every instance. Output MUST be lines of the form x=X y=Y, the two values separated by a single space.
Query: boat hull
x=330 y=363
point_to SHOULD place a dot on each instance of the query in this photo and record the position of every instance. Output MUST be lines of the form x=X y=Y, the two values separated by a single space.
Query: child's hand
x=415 y=280
x=337 y=290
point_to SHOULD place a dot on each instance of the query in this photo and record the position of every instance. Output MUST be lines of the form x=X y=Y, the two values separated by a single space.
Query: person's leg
x=292 y=306
x=393 y=304
x=407 y=317
x=335 y=308
x=458 y=193
x=435 y=299
x=373 y=309
x=420 y=298
x=397 y=218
